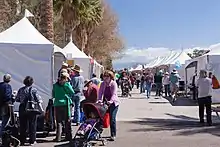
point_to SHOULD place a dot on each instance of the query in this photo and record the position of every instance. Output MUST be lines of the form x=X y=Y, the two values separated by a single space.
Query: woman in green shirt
x=62 y=93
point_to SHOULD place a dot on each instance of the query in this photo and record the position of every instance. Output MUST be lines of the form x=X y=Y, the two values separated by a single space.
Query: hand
x=109 y=103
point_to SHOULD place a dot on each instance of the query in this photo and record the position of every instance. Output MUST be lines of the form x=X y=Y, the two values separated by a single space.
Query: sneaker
x=112 y=138
x=33 y=144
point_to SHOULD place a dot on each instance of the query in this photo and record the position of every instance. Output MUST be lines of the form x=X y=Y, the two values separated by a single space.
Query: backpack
x=32 y=106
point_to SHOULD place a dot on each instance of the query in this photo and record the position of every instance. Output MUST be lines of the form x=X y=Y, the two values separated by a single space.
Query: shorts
x=174 y=87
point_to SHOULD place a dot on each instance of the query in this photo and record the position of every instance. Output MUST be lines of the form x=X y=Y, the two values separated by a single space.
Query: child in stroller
x=92 y=128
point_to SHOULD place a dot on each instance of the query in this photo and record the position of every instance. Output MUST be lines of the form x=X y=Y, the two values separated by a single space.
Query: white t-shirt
x=204 y=87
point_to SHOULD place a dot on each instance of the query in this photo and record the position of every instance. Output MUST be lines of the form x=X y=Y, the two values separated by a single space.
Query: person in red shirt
x=91 y=92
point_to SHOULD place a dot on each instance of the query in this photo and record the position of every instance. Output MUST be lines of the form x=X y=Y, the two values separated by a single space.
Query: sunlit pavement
x=155 y=122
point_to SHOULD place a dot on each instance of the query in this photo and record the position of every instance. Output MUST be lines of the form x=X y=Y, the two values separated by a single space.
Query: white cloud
x=143 y=56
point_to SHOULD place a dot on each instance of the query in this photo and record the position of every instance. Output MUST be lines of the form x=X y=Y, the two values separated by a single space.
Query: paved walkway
x=156 y=123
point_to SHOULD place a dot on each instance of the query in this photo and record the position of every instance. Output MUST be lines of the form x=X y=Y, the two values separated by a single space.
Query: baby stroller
x=126 y=87
x=93 y=125
x=10 y=135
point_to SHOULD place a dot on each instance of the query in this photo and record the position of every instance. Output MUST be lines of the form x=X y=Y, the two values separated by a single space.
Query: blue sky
x=172 y=24
x=168 y=23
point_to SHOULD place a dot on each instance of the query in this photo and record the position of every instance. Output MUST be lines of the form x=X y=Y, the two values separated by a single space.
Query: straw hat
x=7 y=77
x=65 y=74
x=174 y=71
x=166 y=73
x=77 y=68
x=86 y=82
x=65 y=64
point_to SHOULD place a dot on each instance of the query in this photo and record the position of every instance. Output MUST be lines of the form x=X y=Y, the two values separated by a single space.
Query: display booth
x=74 y=55
x=25 y=52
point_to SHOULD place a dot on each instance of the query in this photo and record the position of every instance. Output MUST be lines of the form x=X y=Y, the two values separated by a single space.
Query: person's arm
x=69 y=89
x=18 y=96
x=8 y=93
x=38 y=98
x=101 y=92
x=113 y=92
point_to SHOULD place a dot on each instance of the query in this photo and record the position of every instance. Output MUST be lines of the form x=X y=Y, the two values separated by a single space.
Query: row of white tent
x=25 y=51
x=172 y=60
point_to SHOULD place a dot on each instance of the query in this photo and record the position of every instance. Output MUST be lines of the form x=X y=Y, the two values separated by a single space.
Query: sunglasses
x=106 y=75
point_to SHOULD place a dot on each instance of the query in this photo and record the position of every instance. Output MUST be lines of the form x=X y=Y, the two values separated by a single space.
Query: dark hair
x=28 y=81
x=94 y=75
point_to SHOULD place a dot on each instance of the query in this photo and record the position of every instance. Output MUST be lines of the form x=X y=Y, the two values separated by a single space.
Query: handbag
x=32 y=106
x=215 y=83
x=106 y=120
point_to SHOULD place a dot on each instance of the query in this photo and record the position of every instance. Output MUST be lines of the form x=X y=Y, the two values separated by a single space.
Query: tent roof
x=73 y=52
x=57 y=49
x=23 y=32
x=181 y=58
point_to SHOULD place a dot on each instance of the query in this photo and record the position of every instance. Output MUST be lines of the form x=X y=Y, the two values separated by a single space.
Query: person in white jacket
x=166 y=83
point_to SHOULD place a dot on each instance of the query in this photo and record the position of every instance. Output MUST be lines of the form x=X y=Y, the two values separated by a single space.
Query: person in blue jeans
x=5 y=100
x=108 y=94
x=78 y=85
x=149 y=80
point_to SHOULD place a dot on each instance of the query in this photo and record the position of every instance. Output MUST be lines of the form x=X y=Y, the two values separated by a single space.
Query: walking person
x=62 y=94
x=5 y=100
x=142 y=85
x=138 y=80
x=158 y=81
x=149 y=81
x=108 y=94
x=78 y=86
x=28 y=119
x=174 y=83
x=166 y=83
x=204 y=85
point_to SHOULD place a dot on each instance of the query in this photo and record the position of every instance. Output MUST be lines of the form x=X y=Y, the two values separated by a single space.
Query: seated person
x=88 y=124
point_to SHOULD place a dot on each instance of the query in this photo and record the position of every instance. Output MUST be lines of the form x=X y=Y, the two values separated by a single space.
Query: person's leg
x=201 y=110
x=32 y=120
x=5 y=119
x=208 y=106
x=147 y=90
x=166 y=90
x=23 y=125
x=113 y=112
x=150 y=88
x=58 y=118
x=160 y=89
x=68 y=129
x=77 y=109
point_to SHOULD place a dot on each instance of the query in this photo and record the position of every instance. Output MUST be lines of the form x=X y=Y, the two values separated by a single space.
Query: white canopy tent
x=210 y=62
x=59 y=58
x=98 y=68
x=79 y=57
x=138 y=68
x=25 y=52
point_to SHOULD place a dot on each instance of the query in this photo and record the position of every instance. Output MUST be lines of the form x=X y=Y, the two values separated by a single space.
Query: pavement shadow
x=182 y=101
x=184 y=125
x=158 y=102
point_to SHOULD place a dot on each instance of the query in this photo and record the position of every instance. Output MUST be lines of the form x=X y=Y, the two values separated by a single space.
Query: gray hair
x=7 y=78
x=203 y=74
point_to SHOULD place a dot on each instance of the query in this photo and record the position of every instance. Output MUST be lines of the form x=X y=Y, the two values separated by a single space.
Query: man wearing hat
x=5 y=100
x=78 y=86
x=166 y=83
x=174 y=81
x=63 y=68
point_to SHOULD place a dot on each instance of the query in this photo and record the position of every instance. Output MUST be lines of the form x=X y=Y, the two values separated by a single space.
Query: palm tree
x=78 y=12
x=46 y=22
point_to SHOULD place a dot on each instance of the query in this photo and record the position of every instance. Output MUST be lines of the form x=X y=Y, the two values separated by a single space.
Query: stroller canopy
x=98 y=109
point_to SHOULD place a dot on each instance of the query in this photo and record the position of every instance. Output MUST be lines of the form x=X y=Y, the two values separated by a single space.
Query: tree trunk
x=46 y=22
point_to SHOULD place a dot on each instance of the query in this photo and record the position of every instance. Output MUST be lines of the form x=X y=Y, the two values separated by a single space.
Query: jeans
x=76 y=102
x=158 y=89
x=61 y=113
x=142 y=89
x=113 y=112
x=27 y=122
x=148 y=89
x=5 y=119
x=167 y=90
x=138 y=83
x=205 y=102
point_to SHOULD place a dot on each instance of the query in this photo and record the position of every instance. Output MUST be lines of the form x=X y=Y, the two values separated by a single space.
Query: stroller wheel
x=104 y=142
x=87 y=144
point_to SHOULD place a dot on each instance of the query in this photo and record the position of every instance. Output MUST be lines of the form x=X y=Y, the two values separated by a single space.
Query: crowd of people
x=70 y=93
